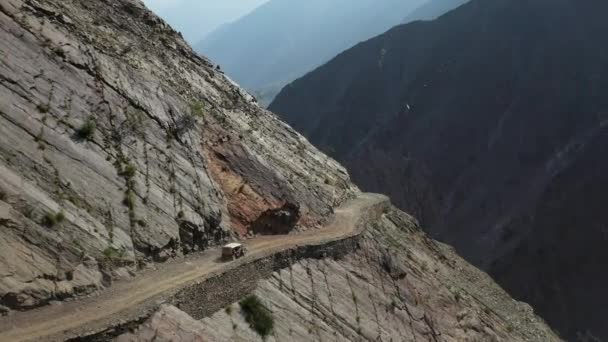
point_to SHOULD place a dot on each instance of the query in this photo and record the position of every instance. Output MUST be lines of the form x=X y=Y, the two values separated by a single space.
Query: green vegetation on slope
x=257 y=315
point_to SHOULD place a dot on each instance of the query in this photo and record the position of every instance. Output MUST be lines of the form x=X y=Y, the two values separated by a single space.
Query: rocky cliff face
x=399 y=286
x=119 y=146
x=486 y=124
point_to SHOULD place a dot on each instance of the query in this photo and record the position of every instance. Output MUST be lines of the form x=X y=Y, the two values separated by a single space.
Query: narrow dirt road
x=126 y=300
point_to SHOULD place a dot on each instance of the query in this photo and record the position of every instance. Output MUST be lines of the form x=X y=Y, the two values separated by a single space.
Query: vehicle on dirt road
x=233 y=251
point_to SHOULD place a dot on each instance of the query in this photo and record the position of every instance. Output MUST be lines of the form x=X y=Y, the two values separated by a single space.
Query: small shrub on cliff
x=197 y=109
x=129 y=171
x=2 y=195
x=60 y=216
x=43 y=108
x=113 y=254
x=129 y=200
x=51 y=220
x=182 y=125
x=257 y=315
x=86 y=131
x=458 y=296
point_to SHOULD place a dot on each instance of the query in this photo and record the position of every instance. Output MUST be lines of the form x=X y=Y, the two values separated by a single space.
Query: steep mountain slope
x=484 y=124
x=433 y=9
x=284 y=39
x=119 y=146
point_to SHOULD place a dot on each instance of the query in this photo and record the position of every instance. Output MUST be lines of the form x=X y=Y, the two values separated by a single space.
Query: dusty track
x=125 y=300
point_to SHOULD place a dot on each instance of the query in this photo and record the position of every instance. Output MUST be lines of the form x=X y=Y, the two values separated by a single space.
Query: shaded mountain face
x=433 y=9
x=488 y=124
x=284 y=39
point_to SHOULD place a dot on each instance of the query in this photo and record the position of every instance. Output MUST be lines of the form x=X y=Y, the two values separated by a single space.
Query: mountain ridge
x=263 y=58
x=433 y=9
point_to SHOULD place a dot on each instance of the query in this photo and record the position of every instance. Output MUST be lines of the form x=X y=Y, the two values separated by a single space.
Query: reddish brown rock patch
x=245 y=203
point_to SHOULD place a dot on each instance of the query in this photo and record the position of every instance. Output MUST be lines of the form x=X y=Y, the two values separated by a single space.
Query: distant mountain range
x=284 y=39
x=490 y=124
x=433 y=9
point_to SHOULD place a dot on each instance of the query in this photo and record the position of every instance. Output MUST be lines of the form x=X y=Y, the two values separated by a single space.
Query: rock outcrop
x=120 y=146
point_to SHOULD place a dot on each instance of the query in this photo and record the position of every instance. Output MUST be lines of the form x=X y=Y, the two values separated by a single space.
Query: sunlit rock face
x=119 y=146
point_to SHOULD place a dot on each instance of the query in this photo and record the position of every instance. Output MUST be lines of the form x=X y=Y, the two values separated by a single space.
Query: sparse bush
x=2 y=195
x=129 y=200
x=77 y=244
x=43 y=108
x=74 y=200
x=135 y=123
x=113 y=253
x=228 y=310
x=129 y=171
x=197 y=109
x=87 y=130
x=59 y=51
x=182 y=125
x=51 y=220
x=60 y=216
x=28 y=212
x=257 y=315
x=142 y=223
x=424 y=266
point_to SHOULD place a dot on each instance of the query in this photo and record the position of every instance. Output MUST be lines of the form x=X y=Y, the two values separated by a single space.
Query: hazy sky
x=196 y=18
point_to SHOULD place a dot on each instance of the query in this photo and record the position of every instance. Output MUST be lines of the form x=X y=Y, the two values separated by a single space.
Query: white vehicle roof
x=233 y=245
